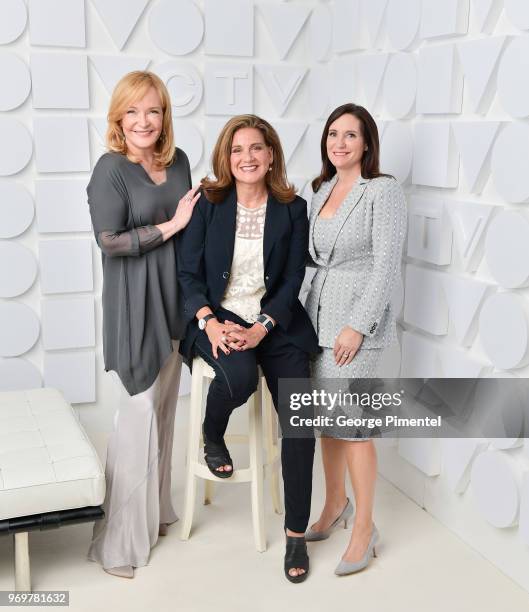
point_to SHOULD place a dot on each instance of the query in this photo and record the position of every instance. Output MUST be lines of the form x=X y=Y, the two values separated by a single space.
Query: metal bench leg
x=22 y=572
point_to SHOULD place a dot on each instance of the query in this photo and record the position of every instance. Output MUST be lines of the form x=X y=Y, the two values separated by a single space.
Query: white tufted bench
x=50 y=475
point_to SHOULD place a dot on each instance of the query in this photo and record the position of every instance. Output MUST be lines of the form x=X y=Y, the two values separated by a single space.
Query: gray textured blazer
x=354 y=282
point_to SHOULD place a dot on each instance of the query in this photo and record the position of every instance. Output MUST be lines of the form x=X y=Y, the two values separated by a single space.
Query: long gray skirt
x=138 y=472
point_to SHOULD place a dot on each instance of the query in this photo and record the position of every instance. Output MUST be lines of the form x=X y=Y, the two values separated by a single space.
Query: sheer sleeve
x=132 y=243
x=108 y=200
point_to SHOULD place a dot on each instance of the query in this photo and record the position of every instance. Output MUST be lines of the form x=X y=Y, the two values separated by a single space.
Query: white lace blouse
x=246 y=285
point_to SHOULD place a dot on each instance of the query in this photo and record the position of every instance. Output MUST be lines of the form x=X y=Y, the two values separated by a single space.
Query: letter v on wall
x=474 y=140
x=281 y=83
x=478 y=59
x=284 y=23
x=120 y=18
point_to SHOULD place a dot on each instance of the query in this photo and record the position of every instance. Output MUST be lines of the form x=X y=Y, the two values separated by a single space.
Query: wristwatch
x=266 y=322
x=203 y=321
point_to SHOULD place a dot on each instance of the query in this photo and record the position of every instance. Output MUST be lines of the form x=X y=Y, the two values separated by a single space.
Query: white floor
x=421 y=566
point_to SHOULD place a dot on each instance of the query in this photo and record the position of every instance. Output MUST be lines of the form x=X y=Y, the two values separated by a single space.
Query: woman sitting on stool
x=241 y=265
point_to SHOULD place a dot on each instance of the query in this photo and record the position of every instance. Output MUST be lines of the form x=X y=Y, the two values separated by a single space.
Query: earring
x=269 y=168
x=162 y=137
x=122 y=138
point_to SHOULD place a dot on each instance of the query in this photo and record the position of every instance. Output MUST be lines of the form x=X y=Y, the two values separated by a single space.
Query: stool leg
x=272 y=449
x=22 y=572
x=209 y=489
x=193 y=447
x=257 y=468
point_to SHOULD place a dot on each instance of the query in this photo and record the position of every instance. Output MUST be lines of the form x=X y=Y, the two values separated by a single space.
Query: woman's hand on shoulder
x=185 y=207
x=346 y=345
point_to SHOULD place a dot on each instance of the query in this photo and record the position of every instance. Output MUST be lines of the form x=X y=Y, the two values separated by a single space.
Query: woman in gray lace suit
x=357 y=229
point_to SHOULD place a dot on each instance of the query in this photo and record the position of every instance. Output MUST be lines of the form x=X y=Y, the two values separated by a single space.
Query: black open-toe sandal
x=216 y=455
x=296 y=557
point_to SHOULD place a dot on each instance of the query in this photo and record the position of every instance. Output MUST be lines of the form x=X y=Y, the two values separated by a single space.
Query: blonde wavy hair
x=131 y=88
x=276 y=180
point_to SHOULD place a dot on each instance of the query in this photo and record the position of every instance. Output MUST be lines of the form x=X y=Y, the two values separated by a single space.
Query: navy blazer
x=204 y=264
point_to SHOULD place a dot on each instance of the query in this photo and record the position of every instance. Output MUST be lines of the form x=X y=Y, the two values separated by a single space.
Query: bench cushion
x=47 y=462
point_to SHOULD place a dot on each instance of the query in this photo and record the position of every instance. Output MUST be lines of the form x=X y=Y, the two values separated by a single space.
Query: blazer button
x=267 y=277
x=225 y=275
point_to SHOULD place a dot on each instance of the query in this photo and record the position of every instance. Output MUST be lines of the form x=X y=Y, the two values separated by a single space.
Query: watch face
x=201 y=324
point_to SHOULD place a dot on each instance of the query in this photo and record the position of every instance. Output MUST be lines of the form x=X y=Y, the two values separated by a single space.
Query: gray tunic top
x=140 y=293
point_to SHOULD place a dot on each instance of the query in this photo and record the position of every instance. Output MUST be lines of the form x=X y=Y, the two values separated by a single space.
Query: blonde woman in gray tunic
x=357 y=228
x=140 y=198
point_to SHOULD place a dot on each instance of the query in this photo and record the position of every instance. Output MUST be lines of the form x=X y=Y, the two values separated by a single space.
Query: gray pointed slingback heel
x=349 y=567
x=315 y=536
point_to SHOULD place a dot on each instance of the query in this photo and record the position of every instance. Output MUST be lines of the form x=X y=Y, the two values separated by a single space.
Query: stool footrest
x=240 y=475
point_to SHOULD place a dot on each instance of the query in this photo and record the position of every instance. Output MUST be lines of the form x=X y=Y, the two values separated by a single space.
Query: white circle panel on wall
x=18 y=375
x=502 y=408
x=507 y=249
x=189 y=138
x=503 y=330
x=16 y=209
x=17 y=146
x=18 y=269
x=16 y=81
x=176 y=27
x=495 y=489
x=510 y=162
x=19 y=329
x=396 y=151
x=400 y=85
x=517 y=12
x=513 y=77
x=402 y=22
x=13 y=19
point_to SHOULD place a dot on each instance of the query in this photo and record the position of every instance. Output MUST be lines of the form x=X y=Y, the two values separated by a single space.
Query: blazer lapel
x=348 y=205
x=276 y=218
x=225 y=225
x=318 y=200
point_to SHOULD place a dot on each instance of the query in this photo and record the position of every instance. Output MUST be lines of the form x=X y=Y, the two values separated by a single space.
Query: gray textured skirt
x=364 y=365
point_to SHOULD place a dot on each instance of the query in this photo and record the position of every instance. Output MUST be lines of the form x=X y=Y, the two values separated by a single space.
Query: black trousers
x=235 y=381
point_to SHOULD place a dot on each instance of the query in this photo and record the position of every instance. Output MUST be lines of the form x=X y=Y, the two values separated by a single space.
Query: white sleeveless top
x=246 y=285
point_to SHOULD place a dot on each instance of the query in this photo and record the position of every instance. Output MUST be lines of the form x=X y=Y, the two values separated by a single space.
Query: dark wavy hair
x=370 y=158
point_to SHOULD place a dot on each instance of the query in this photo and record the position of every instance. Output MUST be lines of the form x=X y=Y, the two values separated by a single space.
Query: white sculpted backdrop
x=448 y=82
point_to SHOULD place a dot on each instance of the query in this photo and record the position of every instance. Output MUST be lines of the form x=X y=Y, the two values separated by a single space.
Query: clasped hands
x=230 y=336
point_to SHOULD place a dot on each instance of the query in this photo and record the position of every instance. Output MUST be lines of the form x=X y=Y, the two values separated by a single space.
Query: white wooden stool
x=201 y=377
